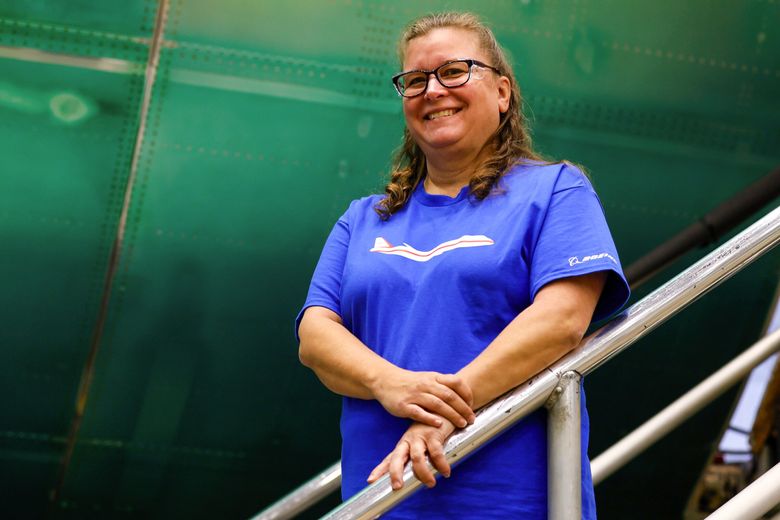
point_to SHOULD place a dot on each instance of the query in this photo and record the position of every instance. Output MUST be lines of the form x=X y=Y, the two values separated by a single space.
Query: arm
x=540 y=335
x=348 y=367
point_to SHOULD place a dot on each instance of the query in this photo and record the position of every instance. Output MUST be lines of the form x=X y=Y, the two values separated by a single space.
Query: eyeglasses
x=452 y=74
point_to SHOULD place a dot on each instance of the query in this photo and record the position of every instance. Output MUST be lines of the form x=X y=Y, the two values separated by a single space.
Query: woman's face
x=453 y=120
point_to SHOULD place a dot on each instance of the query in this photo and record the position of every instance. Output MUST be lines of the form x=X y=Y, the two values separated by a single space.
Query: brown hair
x=511 y=142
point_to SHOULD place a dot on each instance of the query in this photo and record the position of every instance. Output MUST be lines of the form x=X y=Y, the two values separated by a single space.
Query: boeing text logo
x=575 y=260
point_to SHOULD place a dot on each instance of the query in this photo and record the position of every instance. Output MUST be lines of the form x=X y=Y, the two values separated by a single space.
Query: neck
x=446 y=175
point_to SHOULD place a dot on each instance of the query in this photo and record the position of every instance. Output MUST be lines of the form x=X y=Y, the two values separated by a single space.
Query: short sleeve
x=325 y=287
x=574 y=240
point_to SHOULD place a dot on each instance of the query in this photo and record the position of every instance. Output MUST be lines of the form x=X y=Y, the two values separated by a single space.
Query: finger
x=380 y=469
x=459 y=385
x=396 y=465
x=436 y=455
x=420 y=464
x=455 y=401
x=453 y=397
x=436 y=405
x=418 y=414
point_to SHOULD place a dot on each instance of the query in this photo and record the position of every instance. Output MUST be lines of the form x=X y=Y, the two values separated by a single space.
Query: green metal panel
x=67 y=138
x=267 y=118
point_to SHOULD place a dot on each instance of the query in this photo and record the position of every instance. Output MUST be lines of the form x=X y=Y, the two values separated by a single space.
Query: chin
x=436 y=142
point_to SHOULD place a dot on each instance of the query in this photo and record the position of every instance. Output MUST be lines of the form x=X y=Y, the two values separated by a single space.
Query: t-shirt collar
x=428 y=199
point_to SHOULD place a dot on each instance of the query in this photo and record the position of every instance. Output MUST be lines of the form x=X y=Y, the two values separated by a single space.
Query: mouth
x=441 y=113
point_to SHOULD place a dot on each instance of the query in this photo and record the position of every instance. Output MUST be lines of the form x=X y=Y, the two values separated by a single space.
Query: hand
x=426 y=397
x=417 y=442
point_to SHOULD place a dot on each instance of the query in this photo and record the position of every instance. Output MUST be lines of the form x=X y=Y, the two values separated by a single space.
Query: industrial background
x=148 y=367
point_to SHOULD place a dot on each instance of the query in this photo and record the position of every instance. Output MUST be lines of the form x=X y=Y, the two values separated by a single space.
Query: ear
x=504 y=93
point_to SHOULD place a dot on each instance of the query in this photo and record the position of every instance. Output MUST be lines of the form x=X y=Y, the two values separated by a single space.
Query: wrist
x=446 y=428
x=377 y=377
x=468 y=377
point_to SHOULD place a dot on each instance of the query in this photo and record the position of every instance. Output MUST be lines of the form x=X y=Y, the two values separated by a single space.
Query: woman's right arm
x=347 y=367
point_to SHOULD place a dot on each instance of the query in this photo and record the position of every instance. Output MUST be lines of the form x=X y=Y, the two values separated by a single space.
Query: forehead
x=440 y=45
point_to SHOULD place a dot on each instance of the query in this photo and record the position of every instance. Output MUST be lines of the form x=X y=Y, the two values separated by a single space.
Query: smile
x=441 y=113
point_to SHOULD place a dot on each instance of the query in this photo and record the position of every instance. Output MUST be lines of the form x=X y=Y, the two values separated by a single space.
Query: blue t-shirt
x=431 y=287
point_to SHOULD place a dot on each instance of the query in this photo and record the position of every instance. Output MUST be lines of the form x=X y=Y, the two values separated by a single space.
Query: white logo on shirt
x=383 y=246
x=574 y=260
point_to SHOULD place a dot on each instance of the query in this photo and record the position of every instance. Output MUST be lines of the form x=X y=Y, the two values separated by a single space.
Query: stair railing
x=754 y=501
x=547 y=387
x=665 y=421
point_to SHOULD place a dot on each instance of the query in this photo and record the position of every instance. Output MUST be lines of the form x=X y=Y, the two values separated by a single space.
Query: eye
x=453 y=70
x=411 y=80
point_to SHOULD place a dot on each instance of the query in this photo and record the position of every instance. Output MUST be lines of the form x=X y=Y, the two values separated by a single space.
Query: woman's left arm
x=541 y=334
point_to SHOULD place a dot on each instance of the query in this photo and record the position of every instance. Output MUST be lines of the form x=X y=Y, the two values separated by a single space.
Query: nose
x=434 y=90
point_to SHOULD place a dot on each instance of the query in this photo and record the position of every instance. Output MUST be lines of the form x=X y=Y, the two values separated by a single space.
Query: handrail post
x=564 y=455
x=592 y=352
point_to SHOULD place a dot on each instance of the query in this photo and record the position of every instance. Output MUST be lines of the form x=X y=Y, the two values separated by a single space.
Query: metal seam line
x=212 y=80
x=71 y=60
x=113 y=263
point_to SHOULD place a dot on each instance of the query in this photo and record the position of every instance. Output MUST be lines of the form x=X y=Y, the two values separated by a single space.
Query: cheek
x=409 y=112
x=486 y=127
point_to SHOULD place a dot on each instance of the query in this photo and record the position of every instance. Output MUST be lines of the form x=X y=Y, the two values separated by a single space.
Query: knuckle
x=435 y=402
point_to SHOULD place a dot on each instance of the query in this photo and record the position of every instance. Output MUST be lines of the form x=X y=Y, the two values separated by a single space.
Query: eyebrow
x=439 y=65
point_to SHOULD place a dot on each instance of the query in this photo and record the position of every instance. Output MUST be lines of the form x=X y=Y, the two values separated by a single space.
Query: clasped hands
x=438 y=403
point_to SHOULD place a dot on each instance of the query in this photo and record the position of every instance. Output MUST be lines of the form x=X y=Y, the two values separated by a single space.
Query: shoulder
x=362 y=209
x=540 y=177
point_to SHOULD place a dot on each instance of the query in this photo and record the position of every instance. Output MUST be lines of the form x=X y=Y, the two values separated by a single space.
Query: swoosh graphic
x=383 y=246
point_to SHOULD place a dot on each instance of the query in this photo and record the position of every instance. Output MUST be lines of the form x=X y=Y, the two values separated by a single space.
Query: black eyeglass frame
x=435 y=72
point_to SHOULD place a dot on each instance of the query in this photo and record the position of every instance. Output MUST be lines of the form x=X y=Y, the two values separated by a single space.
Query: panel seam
x=88 y=371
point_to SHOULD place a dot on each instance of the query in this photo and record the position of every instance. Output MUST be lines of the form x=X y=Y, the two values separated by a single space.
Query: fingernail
x=438 y=422
x=463 y=423
x=396 y=485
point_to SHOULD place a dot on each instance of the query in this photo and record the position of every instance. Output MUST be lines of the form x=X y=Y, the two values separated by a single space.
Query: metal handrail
x=754 y=501
x=595 y=350
x=676 y=413
x=707 y=229
x=592 y=352
x=303 y=497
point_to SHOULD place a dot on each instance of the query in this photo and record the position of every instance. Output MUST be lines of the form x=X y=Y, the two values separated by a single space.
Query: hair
x=511 y=142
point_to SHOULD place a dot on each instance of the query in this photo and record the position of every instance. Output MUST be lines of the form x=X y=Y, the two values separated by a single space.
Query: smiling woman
x=480 y=296
x=453 y=125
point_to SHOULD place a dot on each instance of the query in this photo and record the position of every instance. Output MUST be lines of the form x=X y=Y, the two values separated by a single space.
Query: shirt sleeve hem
x=313 y=303
x=614 y=295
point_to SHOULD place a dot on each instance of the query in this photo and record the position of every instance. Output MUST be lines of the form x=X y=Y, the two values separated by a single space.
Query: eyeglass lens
x=452 y=74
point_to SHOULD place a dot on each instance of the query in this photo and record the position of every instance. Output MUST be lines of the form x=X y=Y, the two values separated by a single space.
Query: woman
x=480 y=266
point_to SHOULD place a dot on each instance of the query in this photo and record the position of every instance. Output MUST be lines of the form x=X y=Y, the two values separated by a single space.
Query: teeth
x=442 y=113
